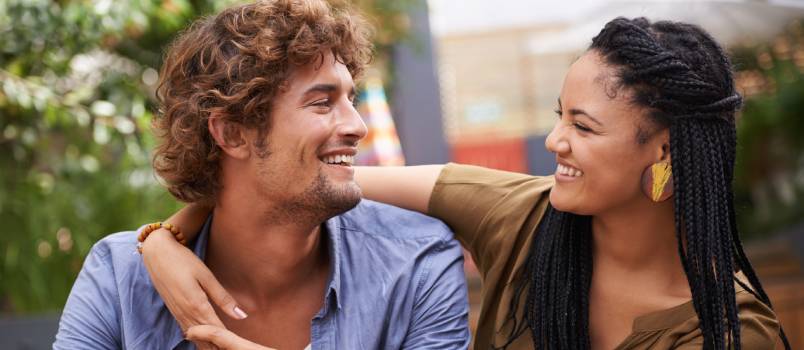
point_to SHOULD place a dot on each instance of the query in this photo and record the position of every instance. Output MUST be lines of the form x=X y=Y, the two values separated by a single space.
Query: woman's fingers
x=207 y=316
x=174 y=271
x=221 y=337
x=197 y=310
x=219 y=295
x=193 y=311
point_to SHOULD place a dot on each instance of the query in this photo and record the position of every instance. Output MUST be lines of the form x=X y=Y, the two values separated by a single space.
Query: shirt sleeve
x=90 y=319
x=485 y=207
x=759 y=328
x=440 y=318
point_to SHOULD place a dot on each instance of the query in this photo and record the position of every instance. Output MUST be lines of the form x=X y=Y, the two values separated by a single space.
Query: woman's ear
x=229 y=137
x=663 y=146
x=666 y=156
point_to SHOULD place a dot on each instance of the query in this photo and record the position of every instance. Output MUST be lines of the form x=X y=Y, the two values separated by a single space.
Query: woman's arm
x=408 y=187
x=181 y=278
x=189 y=219
x=187 y=285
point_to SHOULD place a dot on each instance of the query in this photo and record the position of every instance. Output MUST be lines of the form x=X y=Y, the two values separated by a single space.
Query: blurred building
x=496 y=93
x=500 y=75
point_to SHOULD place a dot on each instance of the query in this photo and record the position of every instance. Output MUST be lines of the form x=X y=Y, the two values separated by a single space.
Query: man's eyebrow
x=328 y=88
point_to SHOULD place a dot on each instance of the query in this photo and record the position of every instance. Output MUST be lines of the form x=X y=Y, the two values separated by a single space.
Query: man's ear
x=229 y=137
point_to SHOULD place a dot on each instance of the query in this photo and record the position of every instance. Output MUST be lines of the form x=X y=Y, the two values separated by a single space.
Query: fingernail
x=240 y=313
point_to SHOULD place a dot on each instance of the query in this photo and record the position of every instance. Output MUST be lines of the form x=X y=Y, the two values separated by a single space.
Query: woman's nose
x=556 y=141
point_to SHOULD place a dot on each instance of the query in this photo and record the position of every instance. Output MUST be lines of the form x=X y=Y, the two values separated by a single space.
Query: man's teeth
x=338 y=159
x=568 y=171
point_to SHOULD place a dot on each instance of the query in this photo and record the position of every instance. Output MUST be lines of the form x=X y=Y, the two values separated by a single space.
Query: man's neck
x=262 y=260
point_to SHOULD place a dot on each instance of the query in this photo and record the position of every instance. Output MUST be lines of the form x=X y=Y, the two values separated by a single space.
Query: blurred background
x=470 y=81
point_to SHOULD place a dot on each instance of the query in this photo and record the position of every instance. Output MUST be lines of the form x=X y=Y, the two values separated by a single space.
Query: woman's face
x=600 y=162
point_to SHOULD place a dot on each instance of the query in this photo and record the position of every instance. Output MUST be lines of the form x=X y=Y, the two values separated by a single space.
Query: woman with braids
x=631 y=245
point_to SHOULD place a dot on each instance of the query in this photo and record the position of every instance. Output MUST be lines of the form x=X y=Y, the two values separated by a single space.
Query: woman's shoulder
x=759 y=326
x=471 y=197
x=455 y=173
x=485 y=188
x=490 y=211
x=679 y=327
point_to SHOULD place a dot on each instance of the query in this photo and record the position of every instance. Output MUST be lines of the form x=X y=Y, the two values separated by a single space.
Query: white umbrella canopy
x=729 y=22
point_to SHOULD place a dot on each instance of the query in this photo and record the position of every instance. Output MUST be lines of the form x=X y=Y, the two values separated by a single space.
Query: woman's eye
x=581 y=127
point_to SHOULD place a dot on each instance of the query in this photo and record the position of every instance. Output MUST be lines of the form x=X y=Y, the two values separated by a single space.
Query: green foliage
x=77 y=80
x=769 y=179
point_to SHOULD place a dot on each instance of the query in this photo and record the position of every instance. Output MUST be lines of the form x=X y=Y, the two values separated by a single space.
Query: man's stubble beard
x=323 y=200
x=320 y=201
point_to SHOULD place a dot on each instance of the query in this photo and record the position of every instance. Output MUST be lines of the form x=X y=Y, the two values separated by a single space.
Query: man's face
x=307 y=169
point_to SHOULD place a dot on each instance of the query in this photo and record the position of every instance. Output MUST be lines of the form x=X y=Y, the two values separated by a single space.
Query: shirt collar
x=200 y=245
x=332 y=230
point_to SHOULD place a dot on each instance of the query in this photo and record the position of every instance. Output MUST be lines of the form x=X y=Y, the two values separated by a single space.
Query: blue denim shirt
x=397 y=282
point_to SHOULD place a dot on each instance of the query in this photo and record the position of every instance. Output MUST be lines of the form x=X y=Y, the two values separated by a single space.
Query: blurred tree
x=77 y=80
x=769 y=179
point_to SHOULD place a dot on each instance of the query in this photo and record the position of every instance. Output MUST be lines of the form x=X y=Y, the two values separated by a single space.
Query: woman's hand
x=185 y=283
x=222 y=338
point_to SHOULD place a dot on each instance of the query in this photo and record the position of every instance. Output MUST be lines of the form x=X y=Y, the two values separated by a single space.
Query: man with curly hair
x=257 y=119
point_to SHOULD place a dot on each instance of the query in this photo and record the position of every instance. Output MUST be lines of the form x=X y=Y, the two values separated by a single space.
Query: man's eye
x=355 y=101
x=321 y=103
x=558 y=113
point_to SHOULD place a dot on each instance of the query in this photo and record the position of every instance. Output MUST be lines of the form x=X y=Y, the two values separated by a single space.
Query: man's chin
x=344 y=198
x=327 y=198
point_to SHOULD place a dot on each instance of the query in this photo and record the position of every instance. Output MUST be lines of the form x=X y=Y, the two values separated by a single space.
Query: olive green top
x=495 y=214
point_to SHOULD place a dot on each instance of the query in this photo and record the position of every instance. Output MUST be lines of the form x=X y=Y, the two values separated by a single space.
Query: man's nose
x=352 y=125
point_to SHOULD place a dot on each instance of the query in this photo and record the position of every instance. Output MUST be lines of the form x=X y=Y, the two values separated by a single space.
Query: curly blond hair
x=231 y=66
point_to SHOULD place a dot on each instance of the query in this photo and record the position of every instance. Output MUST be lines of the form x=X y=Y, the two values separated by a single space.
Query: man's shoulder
x=117 y=254
x=383 y=220
x=402 y=266
x=113 y=301
x=120 y=244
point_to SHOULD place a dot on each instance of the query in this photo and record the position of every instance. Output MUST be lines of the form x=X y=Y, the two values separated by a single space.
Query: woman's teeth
x=568 y=171
x=338 y=159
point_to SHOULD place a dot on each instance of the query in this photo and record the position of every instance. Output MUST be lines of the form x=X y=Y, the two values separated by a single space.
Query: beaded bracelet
x=146 y=231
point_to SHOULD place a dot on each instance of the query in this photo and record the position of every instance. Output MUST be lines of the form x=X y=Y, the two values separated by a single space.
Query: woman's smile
x=566 y=173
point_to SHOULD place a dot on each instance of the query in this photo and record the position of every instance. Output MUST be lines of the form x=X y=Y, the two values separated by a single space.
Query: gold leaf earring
x=657 y=181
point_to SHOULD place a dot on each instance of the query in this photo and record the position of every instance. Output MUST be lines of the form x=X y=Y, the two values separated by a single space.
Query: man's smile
x=344 y=160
